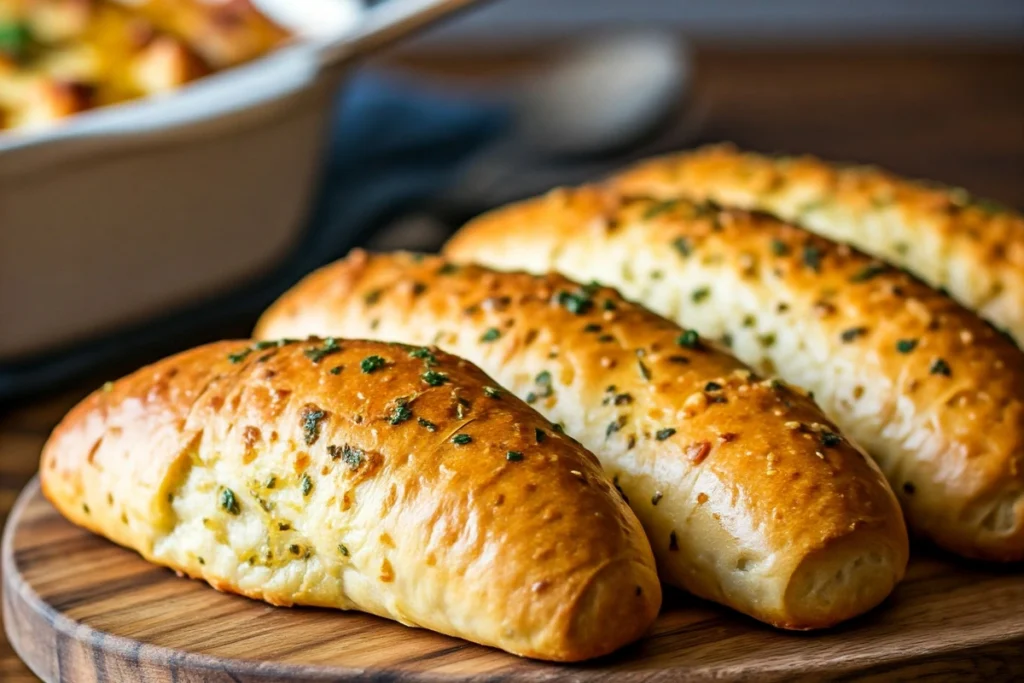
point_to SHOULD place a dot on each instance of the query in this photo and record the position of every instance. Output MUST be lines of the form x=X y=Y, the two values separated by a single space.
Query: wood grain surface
x=923 y=111
x=79 y=608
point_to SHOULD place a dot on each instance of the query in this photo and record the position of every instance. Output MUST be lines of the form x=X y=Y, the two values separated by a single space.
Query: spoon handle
x=388 y=22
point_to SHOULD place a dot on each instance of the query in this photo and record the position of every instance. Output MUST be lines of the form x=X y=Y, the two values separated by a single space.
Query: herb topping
x=228 y=502
x=318 y=353
x=689 y=339
x=906 y=345
x=433 y=378
x=311 y=418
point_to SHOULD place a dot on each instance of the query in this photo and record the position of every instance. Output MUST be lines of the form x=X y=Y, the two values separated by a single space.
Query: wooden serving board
x=79 y=608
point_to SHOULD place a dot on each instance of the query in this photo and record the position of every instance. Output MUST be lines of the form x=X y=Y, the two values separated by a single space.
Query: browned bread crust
x=749 y=495
x=972 y=247
x=929 y=389
x=361 y=475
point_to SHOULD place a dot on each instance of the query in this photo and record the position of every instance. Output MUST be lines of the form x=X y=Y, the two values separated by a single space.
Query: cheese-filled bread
x=391 y=479
x=972 y=247
x=934 y=393
x=749 y=495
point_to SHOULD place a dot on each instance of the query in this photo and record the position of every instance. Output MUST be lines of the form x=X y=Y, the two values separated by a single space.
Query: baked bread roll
x=749 y=495
x=390 y=479
x=971 y=247
x=935 y=394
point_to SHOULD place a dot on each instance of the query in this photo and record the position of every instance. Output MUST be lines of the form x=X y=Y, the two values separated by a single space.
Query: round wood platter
x=79 y=608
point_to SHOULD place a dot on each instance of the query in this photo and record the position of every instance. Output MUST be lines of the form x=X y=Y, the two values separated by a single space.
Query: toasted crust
x=334 y=504
x=728 y=474
x=973 y=248
x=932 y=391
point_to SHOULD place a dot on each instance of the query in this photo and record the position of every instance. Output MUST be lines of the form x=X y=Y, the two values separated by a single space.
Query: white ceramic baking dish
x=124 y=213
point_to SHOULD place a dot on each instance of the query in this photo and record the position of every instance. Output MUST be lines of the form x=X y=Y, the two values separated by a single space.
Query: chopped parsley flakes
x=318 y=353
x=688 y=339
x=663 y=434
x=228 y=502
x=371 y=364
x=434 y=379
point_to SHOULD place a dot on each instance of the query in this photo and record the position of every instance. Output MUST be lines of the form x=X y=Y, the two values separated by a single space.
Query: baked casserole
x=61 y=57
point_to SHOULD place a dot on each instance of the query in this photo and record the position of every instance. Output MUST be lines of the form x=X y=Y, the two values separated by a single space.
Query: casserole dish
x=128 y=212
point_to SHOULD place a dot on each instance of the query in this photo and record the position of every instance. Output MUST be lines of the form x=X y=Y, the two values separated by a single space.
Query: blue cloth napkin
x=394 y=144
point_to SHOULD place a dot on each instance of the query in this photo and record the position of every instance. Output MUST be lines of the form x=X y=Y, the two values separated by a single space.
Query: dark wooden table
x=952 y=116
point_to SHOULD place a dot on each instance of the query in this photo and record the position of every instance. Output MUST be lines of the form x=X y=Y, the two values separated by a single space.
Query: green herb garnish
x=306 y=485
x=311 y=417
x=683 y=246
x=663 y=434
x=461 y=439
x=239 y=356
x=645 y=371
x=400 y=413
x=614 y=426
x=228 y=502
x=851 y=334
x=539 y=433
x=700 y=294
x=490 y=335
x=577 y=303
x=906 y=345
x=318 y=353
x=513 y=456
x=424 y=354
x=491 y=392
x=779 y=248
x=15 y=39
x=812 y=257
x=371 y=364
x=868 y=273
x=427 y=424
x=689 y=339
x=940 y=367
x=434 y=379
x=659 y=207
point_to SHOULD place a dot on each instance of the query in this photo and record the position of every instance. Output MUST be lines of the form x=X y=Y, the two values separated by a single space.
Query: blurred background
x=168 y=167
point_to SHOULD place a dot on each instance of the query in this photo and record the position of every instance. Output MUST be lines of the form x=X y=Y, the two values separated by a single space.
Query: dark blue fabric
x=394 y=144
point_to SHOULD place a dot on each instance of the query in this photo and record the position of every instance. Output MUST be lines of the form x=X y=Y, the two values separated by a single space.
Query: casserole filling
x=60 y=57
